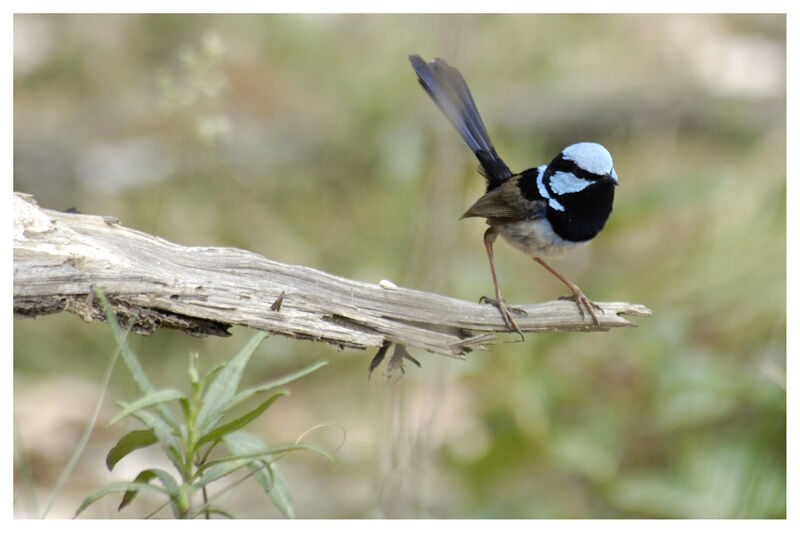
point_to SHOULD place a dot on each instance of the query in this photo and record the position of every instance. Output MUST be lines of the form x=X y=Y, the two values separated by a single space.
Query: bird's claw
x=582 y=302
x=505 y=312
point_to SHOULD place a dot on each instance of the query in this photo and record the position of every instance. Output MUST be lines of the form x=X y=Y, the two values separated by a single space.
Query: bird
x=544 y=211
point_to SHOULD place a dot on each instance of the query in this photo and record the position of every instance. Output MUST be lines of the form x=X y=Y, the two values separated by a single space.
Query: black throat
x=585 y=213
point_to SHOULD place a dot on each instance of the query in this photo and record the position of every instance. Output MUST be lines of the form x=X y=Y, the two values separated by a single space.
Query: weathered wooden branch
x=152 y=283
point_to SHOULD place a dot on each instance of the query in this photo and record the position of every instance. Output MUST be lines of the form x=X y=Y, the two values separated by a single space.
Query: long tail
x=447 y=88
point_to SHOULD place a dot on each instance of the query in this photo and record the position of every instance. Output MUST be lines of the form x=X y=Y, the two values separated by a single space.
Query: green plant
x=207 y=421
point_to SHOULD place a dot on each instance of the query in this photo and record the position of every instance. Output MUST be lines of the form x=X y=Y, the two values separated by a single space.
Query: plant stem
x=62 y=479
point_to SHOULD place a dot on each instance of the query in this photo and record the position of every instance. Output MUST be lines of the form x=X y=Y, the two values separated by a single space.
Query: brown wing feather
x=504 y=204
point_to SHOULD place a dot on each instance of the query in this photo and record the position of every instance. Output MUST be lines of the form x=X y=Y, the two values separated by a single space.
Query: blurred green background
x=307 y=139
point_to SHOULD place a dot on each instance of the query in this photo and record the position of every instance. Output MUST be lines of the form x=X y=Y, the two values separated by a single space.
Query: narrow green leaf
x=221 y=469
x=183 y=433
x=244 y=443
x=211 y=374
x=286 y=448
x=279 y=492
x=262 y=472
x=209 y=465
x=242 y=421
x=163 y=433
x=81 y=446
x=169 y=483
x=161 y=430
x=265 y=471
x=115 y=487
x=217 y=398
x=140 y=438
x=149 y=400
x=144 y=477
x=247 y=393
x=184 y=402
x=221 y=512
x=193 y=374
x=129 y=357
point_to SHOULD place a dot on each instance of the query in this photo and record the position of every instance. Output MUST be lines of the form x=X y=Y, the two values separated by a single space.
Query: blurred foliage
x=306 y=139
x=207 y=421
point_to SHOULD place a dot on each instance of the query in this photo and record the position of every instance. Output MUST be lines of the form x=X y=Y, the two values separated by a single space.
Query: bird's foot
x=583 y=302
x=505 y=312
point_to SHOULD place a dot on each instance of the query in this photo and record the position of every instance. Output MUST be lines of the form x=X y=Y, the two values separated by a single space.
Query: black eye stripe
x=560 y=164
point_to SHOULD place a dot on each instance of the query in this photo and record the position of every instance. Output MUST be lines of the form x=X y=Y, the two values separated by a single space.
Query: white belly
x=536 y=238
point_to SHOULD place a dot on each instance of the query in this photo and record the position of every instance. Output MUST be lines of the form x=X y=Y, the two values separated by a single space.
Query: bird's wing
x=506 y=204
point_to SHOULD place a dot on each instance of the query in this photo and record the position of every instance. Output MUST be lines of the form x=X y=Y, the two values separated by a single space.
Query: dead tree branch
x=152 y=283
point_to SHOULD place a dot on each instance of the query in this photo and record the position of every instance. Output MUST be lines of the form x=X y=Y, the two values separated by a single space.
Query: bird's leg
x=577 y=294
x=505 y=311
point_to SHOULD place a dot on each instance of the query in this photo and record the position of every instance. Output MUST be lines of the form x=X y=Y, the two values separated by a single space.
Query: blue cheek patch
x=567 y=182
x=552 y=202
x=539 y=184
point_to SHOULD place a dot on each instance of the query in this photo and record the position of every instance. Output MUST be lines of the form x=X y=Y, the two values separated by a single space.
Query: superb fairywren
x=543 y=211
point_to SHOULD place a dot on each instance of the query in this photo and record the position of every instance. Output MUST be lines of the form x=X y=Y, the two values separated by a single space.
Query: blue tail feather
x=447 y=88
